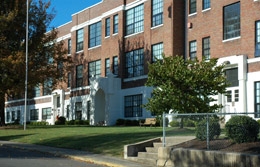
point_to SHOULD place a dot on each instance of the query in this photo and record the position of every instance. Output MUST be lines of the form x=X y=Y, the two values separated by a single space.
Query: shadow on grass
x=14 y=137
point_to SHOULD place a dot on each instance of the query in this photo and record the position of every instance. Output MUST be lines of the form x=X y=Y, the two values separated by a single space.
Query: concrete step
x=147 y=161
x=151 y=149
x=147 y=155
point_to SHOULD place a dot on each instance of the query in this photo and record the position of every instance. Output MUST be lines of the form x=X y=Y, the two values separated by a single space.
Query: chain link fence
x=198 y=130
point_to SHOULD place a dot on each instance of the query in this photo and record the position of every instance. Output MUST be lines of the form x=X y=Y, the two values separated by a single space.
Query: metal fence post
x=208 y=131
x=163 y=129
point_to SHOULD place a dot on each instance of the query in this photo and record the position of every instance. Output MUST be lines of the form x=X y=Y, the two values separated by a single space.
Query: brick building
x=112 y=42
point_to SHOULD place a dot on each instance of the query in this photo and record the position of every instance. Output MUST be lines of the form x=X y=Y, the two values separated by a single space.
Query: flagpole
x=26 y=62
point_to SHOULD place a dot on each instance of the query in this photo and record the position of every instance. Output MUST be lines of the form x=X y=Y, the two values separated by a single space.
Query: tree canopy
x=46 y=58
x=185 y=86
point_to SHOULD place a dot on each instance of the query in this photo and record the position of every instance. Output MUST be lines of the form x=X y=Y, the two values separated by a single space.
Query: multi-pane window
x=193 y=50
x=232 y=77
x=231 y=21
x=8 y=116
x=157 y=12
x=88 y=109
x=257 y=39
x=157 y=51
x=34 y=114
x=95 y=34
x=236 y=95
x=78 y=110
x=107 y=66
x=115 y=24
x=257 y=99
x=135 y=20
x=94 y=69
x=47 y=87
x=115 y=65
x=69 y=80
x=37 y=91
x=69 y=46
x=46 y=113
x=58 y=101
x=79 y=76
x=192 y=6
x=13 y=115
x=206 y=48
x=107 y=30
x=229 y=96
x=80 y=39
x=134 y=63
x=68 y=111
x=133 y=106
x=18 y=114
x=205 y=4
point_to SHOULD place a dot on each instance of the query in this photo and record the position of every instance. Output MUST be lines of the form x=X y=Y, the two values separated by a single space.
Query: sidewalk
x=76 y=155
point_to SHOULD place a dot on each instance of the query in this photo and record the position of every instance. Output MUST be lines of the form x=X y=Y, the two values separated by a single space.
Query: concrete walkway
x=76 y=155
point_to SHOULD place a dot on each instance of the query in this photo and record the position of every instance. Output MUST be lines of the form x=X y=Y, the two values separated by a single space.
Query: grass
x=101 y=140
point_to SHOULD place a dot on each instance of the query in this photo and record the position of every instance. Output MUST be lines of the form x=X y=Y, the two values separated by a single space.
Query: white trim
x=87 y=8
x=80 y=88
x=231 y=39
x=192 y=14
x=205 y=10
x=134 y=34
x=94 y=47
x=253 y=60
x=63 y=37
x=161 y=25
x=135 y=78
x=134 y=4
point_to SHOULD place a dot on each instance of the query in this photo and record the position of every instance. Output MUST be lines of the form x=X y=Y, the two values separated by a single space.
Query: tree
x=45 y=55
x=185 y=86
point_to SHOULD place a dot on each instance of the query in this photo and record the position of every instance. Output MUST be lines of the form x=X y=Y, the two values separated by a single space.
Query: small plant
x=213 y=130
x=242 y=129
x=60 y=121
x=174 y=124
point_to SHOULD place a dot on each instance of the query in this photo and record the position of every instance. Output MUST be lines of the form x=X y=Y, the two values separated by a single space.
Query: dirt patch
x=225 y=145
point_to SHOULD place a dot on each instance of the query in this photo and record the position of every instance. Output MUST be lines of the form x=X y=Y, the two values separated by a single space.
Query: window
x=229 y=96
x=68 y=112
x=135 y=63
x=107 y=66
x=18 y=115
x=157 y=51
x=46 y=113
x=232 y=77
x=157 y=13
x=34 y=114
x=8 y=117
x=135 y=20
x=88 y=109
x=257 y=99
x=78 y=109
x=133 y=106
x=80 y=39
x=58 y=101
x=37 y=91
x=257 y=39
x=69 y=46
x=192 y=7
x=94 y=69
x=47 y=87
x=231 y=21
x=115 y=25
x=13 y=115
x=205 y=4
x=95 y=34
x=69 y=80
x=206 y=48
x=193 y=50
x=236 y=95
x=107 y=30
x=79 y=76
x=115 y=65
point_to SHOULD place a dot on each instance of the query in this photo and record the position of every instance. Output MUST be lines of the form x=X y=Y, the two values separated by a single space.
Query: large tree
x=46 y=60
x=185 y=86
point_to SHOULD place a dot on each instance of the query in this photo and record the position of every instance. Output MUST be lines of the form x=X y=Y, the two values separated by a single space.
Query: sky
x=65 y=8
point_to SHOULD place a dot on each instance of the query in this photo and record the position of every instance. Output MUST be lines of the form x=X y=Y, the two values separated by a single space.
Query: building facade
x=112 y=43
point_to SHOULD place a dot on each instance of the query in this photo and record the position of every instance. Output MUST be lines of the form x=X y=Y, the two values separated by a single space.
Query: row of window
x=193 y=5
x=205 y=49
x=134 y=24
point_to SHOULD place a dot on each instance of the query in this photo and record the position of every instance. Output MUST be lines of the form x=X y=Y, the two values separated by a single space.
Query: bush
x=61 y=121
x=242 y=129
x=189 y=123
x=214 y=129
x=41 y=123
x=258 y=121
x=174 y=124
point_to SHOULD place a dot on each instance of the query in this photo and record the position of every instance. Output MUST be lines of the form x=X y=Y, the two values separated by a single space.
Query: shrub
x=214 y=129
x=61 y=121
x=120 y=122
x=258 y=121
x=41 y=123
x=242 y=129
x=189 y=123
x=174 y=123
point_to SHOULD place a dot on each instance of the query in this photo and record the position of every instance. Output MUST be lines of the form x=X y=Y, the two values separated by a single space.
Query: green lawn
x=101 y=140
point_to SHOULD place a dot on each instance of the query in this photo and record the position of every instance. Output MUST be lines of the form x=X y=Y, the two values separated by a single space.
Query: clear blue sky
x=65 y=8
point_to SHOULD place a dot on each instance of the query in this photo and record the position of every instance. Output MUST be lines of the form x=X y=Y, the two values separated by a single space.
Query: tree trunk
x=2 y=109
